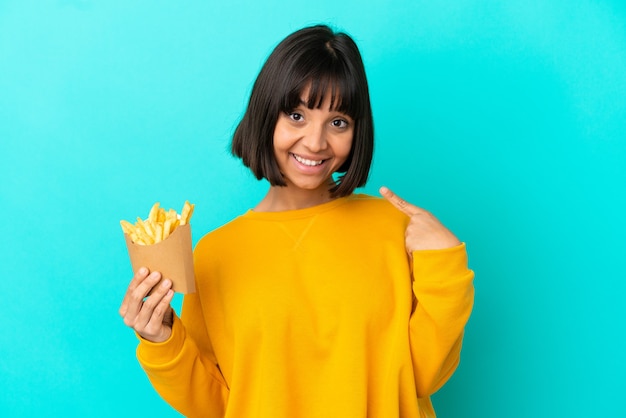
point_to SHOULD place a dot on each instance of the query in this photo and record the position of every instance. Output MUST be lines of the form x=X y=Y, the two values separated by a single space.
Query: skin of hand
x=424 y=231
x=150 y=316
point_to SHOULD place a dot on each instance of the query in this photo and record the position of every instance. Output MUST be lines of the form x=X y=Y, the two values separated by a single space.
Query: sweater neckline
x=297 y=213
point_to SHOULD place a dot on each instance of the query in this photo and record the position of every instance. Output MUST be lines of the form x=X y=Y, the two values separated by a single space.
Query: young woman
x=318 y=302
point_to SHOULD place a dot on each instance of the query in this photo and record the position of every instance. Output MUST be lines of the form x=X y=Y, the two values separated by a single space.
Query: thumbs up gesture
x=424 y=231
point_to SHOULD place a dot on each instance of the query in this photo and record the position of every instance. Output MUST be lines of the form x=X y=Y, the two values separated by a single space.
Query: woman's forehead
x=321 y=95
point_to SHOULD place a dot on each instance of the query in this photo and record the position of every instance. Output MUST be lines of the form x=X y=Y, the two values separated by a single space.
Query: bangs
x=319 y=82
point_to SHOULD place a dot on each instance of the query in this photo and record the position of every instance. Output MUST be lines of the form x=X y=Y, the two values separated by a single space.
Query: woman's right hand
x=150 y=316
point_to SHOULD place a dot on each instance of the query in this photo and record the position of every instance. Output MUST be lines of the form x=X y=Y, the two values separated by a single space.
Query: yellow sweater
x=313 y=313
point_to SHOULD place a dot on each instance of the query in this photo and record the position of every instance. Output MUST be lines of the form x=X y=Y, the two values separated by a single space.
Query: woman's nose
x=315 y=138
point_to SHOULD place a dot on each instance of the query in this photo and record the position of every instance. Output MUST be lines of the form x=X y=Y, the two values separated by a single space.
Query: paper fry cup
x=172 y=257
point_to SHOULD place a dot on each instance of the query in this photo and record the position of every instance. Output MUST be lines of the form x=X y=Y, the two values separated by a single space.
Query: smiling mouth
x=310 y=163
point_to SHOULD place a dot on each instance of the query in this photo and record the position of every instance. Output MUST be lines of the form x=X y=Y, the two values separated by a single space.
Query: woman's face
x=311 y=144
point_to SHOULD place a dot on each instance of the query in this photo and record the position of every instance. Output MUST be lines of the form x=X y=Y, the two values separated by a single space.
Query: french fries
x=159 y=224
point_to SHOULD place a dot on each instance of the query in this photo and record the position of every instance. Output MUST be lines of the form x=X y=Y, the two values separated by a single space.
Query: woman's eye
x=295 y=116
x=340 y=123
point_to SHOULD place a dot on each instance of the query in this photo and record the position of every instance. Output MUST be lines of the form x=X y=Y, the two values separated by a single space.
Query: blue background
x=507 y=119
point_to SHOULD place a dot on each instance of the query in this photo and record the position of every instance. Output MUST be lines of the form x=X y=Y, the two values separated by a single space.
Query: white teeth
x=310 y=163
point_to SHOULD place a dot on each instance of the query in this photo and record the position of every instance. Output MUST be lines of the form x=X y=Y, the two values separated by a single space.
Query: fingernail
x=143 y=271
x=166 y=283
x=155 y=274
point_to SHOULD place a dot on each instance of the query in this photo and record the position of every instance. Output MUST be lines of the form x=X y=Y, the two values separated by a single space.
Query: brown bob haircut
x=328 y=63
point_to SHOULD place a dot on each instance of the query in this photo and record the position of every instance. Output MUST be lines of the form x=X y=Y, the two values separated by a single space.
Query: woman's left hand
x=424 y=231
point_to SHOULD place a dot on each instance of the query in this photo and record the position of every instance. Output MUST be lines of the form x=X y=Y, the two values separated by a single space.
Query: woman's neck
x=279 y=198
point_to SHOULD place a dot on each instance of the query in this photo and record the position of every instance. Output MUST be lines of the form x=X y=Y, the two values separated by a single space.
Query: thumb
x=401 y=204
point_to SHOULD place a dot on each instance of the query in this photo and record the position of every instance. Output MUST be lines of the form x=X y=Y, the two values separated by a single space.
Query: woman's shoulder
x=372 y=204
x=373 y=211
x=224 y=233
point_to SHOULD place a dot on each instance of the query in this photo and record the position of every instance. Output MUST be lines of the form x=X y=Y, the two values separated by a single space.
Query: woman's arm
x=442 y=286
x=185 y=377
x=444 y=295
x=182 y=371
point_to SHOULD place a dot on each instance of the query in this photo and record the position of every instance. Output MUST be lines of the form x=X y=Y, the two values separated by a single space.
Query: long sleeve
x=444 y=292
x=183 y=369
